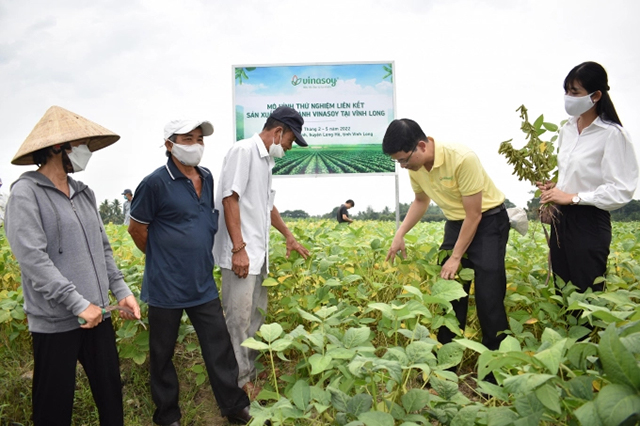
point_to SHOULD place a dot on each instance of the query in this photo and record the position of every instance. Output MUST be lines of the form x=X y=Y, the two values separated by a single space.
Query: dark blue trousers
x=485 y=256
x=217 y=352
x=579 y=245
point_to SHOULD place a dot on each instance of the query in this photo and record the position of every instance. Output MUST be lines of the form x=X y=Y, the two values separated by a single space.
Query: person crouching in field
x=57 y=236
x=477 y=223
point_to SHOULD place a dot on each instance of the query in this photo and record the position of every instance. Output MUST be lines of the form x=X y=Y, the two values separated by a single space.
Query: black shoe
x=241 y=417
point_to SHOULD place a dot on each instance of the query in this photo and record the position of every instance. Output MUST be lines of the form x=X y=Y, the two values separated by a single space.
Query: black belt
x=494 y=210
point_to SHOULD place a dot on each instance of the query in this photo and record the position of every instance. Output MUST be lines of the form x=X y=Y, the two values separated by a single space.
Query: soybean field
x=334 y=159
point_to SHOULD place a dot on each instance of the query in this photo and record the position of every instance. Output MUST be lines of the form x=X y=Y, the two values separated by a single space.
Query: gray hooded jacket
x=63 y=252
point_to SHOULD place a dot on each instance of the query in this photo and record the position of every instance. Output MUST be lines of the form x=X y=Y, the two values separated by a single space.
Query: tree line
x=628 y=213
x=112 y=212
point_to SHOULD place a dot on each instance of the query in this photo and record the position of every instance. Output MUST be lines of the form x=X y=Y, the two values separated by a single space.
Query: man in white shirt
x=241 y=249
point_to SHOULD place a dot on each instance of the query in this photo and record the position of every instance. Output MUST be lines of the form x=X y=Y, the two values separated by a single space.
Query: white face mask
x=276 y=151
x=576 y=106
x=79 y=157
x=189 y=155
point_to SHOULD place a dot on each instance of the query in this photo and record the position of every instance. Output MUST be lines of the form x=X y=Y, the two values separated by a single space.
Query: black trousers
x=54 y=377
x=485 y=256
x=579 y=245
x=217 y=352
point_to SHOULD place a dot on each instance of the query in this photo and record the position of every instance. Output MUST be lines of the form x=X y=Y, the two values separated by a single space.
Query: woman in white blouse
x=597 y=173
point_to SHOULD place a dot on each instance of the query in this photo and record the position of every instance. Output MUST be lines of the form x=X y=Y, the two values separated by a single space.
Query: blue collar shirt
x=179 y=263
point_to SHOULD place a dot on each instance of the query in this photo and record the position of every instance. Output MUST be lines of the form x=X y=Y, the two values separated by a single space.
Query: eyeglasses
x=406 y=160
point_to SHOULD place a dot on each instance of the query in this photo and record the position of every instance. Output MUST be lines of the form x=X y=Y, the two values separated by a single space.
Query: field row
x=306 y=162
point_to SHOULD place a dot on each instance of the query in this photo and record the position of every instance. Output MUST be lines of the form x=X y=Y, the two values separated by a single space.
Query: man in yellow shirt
x=477 y=222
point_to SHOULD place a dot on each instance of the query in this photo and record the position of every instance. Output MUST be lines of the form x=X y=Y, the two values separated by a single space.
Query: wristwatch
x=575 y=200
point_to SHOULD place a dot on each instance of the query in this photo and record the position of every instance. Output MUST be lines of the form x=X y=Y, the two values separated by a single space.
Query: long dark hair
x=592 y=76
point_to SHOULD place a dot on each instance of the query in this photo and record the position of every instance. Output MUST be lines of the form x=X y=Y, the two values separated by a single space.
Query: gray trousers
x=243 y=299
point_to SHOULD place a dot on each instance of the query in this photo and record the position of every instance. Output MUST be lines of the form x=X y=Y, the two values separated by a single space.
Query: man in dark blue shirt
x=173 y=221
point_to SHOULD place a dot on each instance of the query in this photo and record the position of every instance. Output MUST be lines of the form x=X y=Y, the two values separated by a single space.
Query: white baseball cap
x=180 y=127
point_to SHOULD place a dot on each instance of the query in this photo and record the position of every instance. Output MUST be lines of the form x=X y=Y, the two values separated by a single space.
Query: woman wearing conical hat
x=57 y=236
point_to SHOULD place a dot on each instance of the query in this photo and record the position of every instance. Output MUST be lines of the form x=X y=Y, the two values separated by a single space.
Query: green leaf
x=415 y=400
x=619 y=364
x=549 y=397
x=319 y=363
x=339 y=399
x=466 y=416
x=510 y=344
x=324 y=265
x=200 y=378
x=301 y=394
x=538 y=123
x=386 y=309
x=530 y=420
x=552 y=356
x=355 y=337
x=197 y=369
x=450 y=355
x=444 y=388
x=270 y=332
x=341 y=353
x=525 y=383
x=515 y=326
x=140 y=358
x=500 y=416
x=359 y=403
x=466 y=274
x=550 y=336
x=252 y=343
x=396 y=411
x=472 y=344
x=414 y=308
x=581 y=387
x=448 y=290
x=411 y=289
x=550 y=126
x=617 y=403
x=588 y=415
x=392 y=367
x=306 y=315
x=529 y=404
x=376 y=418
x=280 y=345
x=316 y=338
x=632 y=342
x=270 y=282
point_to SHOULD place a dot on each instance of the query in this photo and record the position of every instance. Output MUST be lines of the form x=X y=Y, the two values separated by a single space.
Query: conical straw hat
x=59 y=126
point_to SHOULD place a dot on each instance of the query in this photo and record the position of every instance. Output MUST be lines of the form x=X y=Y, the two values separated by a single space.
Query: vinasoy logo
x=313 y=82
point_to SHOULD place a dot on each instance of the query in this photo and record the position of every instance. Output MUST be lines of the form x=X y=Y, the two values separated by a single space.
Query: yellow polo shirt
x=456 y=172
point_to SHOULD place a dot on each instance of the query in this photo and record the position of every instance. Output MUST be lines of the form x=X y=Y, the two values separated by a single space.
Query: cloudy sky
x=462 y=67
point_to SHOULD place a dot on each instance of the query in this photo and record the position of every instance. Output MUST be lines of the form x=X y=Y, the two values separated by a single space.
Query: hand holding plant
x=537 y=161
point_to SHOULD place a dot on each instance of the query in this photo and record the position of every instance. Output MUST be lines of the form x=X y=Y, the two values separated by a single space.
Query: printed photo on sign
x=346 y=109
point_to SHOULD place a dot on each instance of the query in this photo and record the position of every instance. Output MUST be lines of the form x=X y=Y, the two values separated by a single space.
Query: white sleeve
x=619 y=174
x=235 y=172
